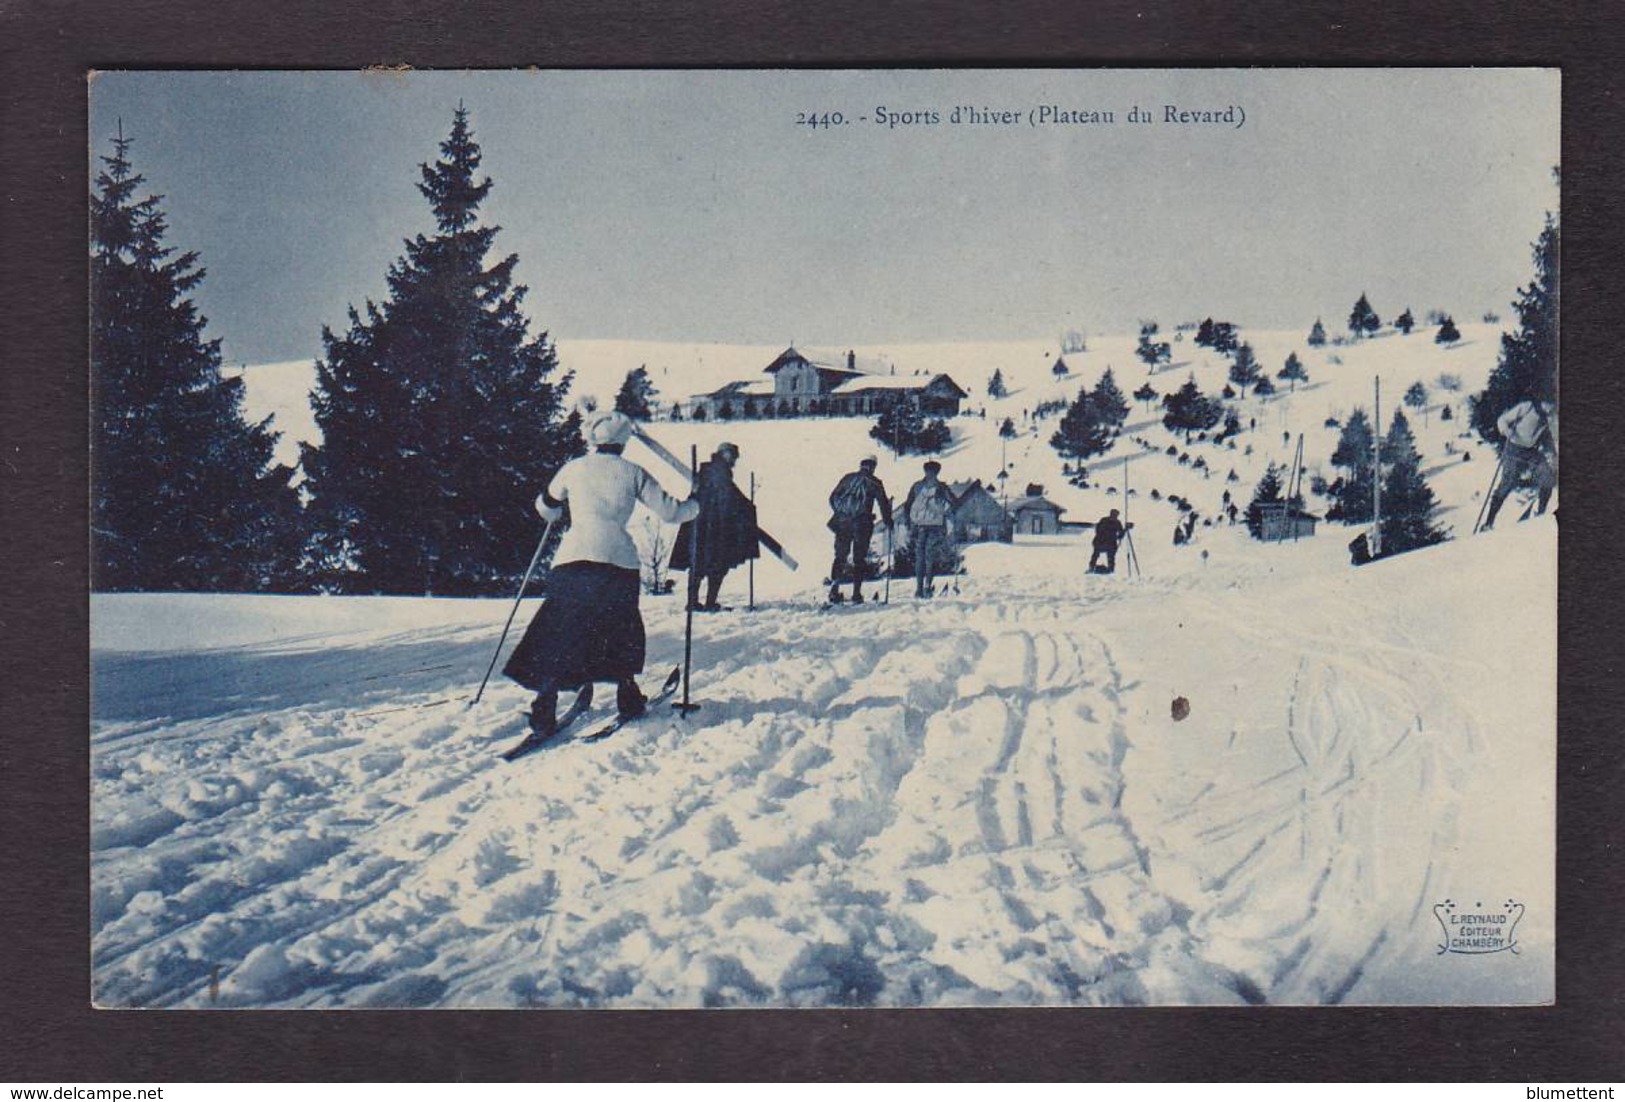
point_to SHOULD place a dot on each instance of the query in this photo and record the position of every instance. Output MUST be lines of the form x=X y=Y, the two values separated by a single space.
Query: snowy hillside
x=981 y=800
x=985 y=799
x=797 y=462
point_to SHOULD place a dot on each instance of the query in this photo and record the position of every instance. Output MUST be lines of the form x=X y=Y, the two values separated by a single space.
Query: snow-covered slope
x=981 y=800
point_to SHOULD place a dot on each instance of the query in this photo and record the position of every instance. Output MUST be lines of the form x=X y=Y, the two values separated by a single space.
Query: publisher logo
x=1477 y=929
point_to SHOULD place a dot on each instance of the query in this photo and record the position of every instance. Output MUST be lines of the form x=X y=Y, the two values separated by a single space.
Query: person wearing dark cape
x=589 y=627
x=724 y=534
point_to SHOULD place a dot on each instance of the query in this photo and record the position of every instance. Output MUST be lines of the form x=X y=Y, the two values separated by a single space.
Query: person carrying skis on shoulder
x=926 y=510
x=1529 y=430
x=723 y=536
x=589 y=628
x=1108 y=534
x=852 y=505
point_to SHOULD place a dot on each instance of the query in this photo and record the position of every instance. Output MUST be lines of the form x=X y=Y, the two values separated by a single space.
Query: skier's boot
x=630 y=703
x=835 y=597
x=544 y=722
x=857 y=596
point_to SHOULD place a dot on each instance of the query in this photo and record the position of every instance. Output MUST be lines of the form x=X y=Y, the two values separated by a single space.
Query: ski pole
x=885 y=591
x=1495 y=478
x=693 y=564
x=529 y=570
x=750 y=564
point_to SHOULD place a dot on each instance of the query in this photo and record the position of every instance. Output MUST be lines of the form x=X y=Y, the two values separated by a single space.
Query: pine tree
x=995 y=385
x=1317 y=335
x=1527 y=367
x=1263 y=387
x=1007 y=430
x=1292 y=371
x=1417 y=398
x=1408 y=504
x=1448 y=333
x=1204 y=333
x=1352 y=492
x=1405 y=322
x=637 y=395
x=1190 y=411
x=1109 y=401
x=441 y=417
x=1152 y=352
x=1244 y=371
x=185 y=494
x=903 y=428
x=1268 y=492
x=1085 y=430
x=1147 y=394
x=1363 y=320
x=1226 y=337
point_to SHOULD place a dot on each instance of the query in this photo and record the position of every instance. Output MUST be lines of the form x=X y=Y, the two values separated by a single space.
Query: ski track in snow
x=925 y=804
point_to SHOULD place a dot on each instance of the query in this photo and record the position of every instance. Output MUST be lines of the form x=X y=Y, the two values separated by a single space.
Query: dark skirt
x=588 y=629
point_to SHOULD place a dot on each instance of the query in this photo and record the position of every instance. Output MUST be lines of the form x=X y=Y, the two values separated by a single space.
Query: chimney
x=851 y=360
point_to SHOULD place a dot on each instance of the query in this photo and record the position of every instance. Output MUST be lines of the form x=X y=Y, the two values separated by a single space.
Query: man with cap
x=927 y=510
x=1108 y=534
x=724 y=534
x=589 y=628
x=852 y=505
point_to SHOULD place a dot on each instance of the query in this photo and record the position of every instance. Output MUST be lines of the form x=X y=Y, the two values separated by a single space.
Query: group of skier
x=589 y=628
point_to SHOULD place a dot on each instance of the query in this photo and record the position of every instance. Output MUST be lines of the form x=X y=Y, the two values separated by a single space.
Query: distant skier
x=1108 y=534
x=927 y=510
x=589 y=628
x=852 y=504
x=1529 y=430
x=1185 y=530
x=726 y=529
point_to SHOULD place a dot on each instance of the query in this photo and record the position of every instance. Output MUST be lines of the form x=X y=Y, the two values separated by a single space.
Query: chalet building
x=797 y=386
x=1035 y=515
x=977 y=516
x=1277 y=522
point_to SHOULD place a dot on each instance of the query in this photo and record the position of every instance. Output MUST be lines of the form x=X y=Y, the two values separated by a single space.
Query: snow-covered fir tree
x=1416 y=397
x=1408 y=504
x=1244 y=370
x=1152 y=352
x=1363 y=320
x=1405 y=322
x=1448 y=333
x=1352 y=491
x=1109 y=401
x=1085 y=430
x=1262 y=386
x=903 y=428
x=637 y=395
x=1190 y=411
x=996 y=387
x=441 y=417
x=1317 y=335
x=1527 y=366
x=185 y=494
x=1292 y=371
x=1146 y=393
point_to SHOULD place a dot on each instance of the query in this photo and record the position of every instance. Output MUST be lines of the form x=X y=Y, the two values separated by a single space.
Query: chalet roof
x=821 y=361
x=859 y=383
x=964 y=486
x=1025 y=503
x=743 y=388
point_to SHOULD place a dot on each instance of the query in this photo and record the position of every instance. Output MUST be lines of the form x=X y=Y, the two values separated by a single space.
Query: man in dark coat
x=726 y=529
x=1108 y=534
x=852 y=505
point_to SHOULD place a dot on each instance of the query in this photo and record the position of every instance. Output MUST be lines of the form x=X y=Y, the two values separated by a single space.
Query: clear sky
x=690 y=206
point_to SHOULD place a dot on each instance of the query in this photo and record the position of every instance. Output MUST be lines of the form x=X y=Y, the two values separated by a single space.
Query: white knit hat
x=610 y=428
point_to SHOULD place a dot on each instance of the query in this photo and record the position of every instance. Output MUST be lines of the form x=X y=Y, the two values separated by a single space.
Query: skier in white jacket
x=589 y=628
x=1529 y=430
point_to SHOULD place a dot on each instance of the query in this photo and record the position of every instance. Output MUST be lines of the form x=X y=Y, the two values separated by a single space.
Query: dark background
x=48 y=1031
